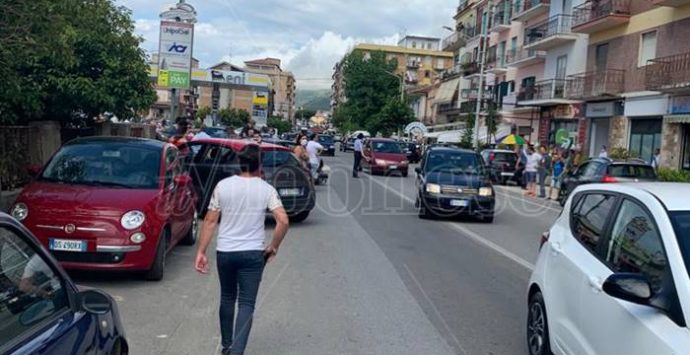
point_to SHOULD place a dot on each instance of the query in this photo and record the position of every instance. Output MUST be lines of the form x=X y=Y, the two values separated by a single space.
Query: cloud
x=309 y=36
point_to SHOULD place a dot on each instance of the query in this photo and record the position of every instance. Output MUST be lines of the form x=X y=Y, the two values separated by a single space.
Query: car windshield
x=681 y=225
x=632 y=171
x=326 y=139
x=454 y=163
x=501 y=157
x=386 y=147
x=274 y=158
x=105 y=164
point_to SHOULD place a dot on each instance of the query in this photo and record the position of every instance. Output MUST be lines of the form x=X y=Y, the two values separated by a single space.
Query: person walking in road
x=314 y=149
x=558 y=167
x=358 y=155
x=242 y=201
x=543 y=171
x=300 y=150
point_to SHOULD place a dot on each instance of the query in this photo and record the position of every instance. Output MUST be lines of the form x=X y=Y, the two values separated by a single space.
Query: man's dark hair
x=360 y=136
x=250 y=158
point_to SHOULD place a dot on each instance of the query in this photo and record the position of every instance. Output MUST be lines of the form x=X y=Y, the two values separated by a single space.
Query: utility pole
x=483 y=43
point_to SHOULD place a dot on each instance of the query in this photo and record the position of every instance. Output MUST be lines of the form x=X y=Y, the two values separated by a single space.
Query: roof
x=673 y=195
x=226 y=64
x=264 y=61
x=403 y=50
x=152 y=143
x=420 y=37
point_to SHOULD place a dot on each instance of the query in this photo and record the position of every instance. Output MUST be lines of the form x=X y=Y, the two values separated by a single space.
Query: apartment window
x=502 y=54
x=601 y=56
x=428 y=46
x=440 y=63
x=414 y=44
x=428 y=61
x=561 y=65
x=647 y=47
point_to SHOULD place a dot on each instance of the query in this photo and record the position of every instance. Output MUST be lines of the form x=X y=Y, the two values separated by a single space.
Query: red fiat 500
x=111 y=203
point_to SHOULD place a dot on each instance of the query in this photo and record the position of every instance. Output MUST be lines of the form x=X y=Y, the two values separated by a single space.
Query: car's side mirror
x=34 y=170
x=418 y=170
x=95 y=302
x=629 y=287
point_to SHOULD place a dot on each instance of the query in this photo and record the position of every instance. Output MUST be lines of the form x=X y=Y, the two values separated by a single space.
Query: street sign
x=175 y=54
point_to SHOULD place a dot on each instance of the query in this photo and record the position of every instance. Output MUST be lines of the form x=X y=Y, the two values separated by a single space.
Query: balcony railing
x=555 y=25
x=470 y=68
x=668 y=73
x=452 y=71
x=519 y=54
x=596 y=84
x=472 y=94
x=453 y=42
x=544 y=90
x=595 y=10
x=500 y=18
x=470 y=32
x=413 y=64
x=520 y=7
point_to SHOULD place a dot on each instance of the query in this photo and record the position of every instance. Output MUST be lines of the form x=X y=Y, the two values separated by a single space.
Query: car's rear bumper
x=380 y=169
x=444 y=205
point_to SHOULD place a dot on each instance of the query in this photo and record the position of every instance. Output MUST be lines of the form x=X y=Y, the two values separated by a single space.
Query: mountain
x=317 y=100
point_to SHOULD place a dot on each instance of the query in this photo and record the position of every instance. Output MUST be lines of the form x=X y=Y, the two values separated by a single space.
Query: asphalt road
x=362 y=275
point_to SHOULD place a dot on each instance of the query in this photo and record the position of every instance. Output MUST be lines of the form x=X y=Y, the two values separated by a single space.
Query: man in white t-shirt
x=531 y=169
x=242 y=200
x=314 y=148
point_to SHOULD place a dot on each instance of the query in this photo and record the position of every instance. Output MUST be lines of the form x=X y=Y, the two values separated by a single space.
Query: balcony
x=470 y=69
x=546 y=93
x=471 y=95
x=554 y=32
x=453 y=42
x=601 y=84
x=525 y=10
x=452 y=108
x=596 y=16
x=500 y=22
x=669 y=74
x=463 y=7
x=470 y=33
x=453 y=71
x=495 y=62
x=674 y=3
x=521 y=57
x=413 y=64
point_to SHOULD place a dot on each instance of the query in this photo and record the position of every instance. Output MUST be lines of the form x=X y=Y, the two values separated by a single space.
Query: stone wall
x=618 y=132
x=671 y=145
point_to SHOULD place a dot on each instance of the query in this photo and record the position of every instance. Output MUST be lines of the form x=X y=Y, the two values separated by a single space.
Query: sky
x=309 y=36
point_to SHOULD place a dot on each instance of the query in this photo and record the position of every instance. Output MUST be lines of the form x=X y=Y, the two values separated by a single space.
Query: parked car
x=606 y=170
x=328 y=144
x=412 y=150
x=285 y=143
x=212 y=160
x=501 y=164
x=612 y=275
x=42 y=310
x=111 y=203
x=347 y=145
x=216 y=132
x=454 y=181
x=384 y=156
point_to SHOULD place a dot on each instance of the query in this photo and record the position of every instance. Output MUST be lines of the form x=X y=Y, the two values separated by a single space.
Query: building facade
x=420 y=42
x=282 y=101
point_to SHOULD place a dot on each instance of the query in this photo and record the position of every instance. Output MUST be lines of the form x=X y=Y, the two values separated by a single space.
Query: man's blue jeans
x=240 y=275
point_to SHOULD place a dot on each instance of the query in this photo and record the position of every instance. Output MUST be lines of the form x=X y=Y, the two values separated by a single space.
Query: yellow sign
x=163 y=77
x=260 y=99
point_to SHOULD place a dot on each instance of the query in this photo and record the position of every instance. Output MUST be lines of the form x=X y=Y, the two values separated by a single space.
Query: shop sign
x=566 y=111
x=680 y=105
x=600 y=109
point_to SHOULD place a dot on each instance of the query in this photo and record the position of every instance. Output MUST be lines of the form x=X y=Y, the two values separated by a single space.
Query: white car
x=613 y=273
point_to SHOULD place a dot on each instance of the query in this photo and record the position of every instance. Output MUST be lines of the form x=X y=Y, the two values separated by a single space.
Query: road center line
x=468 y=233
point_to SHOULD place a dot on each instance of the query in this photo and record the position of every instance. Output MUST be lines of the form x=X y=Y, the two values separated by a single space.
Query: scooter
x=323 y=171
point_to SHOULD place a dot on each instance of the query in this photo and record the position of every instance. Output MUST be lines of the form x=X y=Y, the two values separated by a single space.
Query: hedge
x=672 y=175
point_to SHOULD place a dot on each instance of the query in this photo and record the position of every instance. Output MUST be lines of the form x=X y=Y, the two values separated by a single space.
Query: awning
x=677 y=119
x=446 y=91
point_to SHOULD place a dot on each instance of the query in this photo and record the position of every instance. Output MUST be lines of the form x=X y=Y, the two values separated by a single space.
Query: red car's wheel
x=155 y=273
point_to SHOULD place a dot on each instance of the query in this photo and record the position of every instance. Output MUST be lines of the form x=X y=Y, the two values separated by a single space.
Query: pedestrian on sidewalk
x=558 y=167
x=531 y=169
x=242 y=201
x=656 y=159
x=358 y=155
x=543 y=171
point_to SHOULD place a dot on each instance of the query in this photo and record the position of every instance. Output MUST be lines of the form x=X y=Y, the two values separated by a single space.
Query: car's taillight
x=608 y=178
x=544 y=238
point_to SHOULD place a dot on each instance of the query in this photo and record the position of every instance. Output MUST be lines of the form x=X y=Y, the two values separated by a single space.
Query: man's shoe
x=226 y=351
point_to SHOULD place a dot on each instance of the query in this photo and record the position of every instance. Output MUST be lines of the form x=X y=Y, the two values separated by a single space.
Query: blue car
x=41 y=309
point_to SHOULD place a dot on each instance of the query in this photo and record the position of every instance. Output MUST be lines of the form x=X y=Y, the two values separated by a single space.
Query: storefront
x=685 y=160
x=646 y=120
x=562 y=124
x=678 y=121
x=599 y=115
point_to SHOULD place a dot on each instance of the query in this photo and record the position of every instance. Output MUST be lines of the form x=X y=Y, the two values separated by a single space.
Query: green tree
x=467 y=139
x=304 y=113
x=368 y=89
x=279 y=123
x=70 y=61
x=202 y=112
x=233 y=117
x=393 y=116
x=492 y=118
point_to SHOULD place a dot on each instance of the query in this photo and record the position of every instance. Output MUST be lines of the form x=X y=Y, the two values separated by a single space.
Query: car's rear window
x=326 y=139
x=274 y=158
x=681 y=224
x=504 y=157
x=632 y=171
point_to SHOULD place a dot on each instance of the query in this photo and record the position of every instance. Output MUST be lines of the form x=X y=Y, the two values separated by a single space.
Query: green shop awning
x=677 y=119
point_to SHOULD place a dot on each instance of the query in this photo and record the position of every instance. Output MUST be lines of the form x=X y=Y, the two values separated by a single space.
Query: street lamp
x=483 y=43
x=402 y=83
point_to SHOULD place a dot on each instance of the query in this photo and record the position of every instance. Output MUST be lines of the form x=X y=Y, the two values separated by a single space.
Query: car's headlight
x=433 y=188
x=485 y=191
x=20 y=211
x=132 y=220
x=404 y=162
x=381 y=162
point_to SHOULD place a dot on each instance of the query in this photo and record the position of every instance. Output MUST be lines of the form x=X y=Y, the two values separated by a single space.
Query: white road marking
x=468 y=233
x=435 y=309
x=507 y=193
